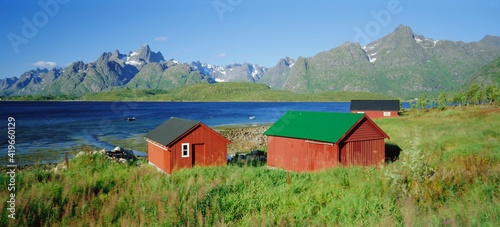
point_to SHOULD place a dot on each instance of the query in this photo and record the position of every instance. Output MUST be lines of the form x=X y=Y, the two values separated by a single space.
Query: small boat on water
x=130 y=118
x=251 y=117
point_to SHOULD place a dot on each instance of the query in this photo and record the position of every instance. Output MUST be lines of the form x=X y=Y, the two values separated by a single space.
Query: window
x=387 y=114
x=361 y=112
x=185 y=150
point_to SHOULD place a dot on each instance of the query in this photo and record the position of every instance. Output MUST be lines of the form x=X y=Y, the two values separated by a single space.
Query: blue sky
x=221 y=32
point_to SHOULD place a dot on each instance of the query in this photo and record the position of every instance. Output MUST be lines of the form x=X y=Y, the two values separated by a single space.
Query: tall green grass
x=448 y=173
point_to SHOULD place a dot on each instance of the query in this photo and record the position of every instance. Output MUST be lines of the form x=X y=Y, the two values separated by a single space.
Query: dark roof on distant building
x=319 y=126
x=170 y=130
x=382 y=105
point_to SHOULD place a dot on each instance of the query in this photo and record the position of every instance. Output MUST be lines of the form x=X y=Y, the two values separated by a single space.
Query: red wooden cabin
x=310 y=141
x=376 y=108
x=180 y=143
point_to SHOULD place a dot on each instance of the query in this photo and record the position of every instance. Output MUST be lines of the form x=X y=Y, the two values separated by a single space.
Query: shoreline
x=244 y=138
x=187 y=101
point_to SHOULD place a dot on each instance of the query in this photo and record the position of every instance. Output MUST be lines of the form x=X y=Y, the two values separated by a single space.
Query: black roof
x=387 y=105
x=170 y=130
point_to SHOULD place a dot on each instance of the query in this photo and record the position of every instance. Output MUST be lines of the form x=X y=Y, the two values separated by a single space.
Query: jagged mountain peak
x=143 y=56
x=403 y=29
x=286 y=62
x=104 y=56
x=244 y=72
x=401 y=33
x=144 y=49
x=78 y=65
x=401 y=63
x=491 y=40
x=117 y=55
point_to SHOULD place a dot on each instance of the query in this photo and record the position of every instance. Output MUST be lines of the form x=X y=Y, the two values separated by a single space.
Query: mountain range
x=400 y=64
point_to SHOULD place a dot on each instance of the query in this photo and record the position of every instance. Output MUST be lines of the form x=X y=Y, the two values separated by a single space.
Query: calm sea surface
x=56 y=127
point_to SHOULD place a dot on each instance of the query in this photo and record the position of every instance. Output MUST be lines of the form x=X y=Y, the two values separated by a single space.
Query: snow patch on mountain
x=132 y=62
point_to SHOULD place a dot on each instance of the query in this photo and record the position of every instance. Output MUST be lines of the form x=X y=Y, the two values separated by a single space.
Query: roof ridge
x=314 y=125
x=171 y=129
x=183 y=119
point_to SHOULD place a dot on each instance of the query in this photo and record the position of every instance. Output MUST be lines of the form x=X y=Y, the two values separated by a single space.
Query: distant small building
x=376 y=108
x=180 y=143
x=310 y=141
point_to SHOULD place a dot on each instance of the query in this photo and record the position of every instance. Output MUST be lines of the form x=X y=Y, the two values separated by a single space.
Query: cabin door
x=198 y=151
x=354 y=154
x=350 y=153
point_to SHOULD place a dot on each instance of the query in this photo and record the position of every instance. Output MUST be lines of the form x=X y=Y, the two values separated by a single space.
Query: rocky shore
x=244 y=138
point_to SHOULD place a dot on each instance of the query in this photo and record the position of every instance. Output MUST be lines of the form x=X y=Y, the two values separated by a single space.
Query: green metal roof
x=319 y=126
x=170 y=130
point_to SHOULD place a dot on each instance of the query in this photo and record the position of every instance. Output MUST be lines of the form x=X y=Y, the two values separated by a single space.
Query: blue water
x=59 y=126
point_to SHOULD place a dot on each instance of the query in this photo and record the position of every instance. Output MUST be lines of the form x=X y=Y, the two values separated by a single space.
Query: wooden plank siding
x=158 y=156
x=214 y=152
x=376 y=113
x=362 y=153
x=206 y=147
x=346 y=139
x=363 y=145
x=364 y=130
x=376 y=108
x=301 y=155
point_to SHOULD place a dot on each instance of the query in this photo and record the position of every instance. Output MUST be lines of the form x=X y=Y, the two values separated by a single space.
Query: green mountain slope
x=165 y=76
x=488 y=74
x=402 y=64
x=230 y=91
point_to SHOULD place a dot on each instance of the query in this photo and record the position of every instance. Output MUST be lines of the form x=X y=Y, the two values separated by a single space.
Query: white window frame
x=387 y=113
x=182 y=150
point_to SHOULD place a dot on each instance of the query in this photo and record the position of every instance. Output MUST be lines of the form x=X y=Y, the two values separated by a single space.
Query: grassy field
x=448 y=174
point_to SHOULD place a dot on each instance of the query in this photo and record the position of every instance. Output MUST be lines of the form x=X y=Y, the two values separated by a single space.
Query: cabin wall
x=159 y=157
x=376 y=114
x=206 y=148
x=363 y=145
x=362 y=153
x=364 y=130
x=300 y=155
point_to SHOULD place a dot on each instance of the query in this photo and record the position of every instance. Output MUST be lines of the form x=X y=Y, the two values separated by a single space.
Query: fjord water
x=57 y=127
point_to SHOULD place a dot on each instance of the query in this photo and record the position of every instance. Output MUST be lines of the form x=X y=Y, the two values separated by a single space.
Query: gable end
x=365 y=129
x=199 y=125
